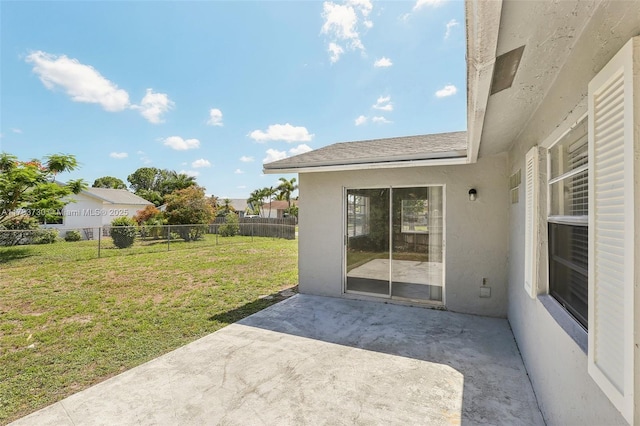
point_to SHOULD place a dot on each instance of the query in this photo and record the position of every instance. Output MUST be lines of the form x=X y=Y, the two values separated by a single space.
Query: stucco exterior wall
x=475 y=236
x=89 y=212
x=556 y=364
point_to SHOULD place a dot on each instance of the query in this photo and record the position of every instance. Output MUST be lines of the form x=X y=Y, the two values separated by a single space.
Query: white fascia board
x=368 y=166
x=483 y=24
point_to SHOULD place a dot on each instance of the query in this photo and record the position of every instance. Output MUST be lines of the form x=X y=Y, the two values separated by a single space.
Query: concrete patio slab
x=316 y=360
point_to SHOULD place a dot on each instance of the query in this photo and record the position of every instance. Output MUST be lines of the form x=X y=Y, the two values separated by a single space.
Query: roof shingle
x=116 y=196
x=407 y=148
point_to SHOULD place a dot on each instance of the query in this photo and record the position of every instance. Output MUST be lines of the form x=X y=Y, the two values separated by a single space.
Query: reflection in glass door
x=416 y=267
x=368 y=241
x=394 y=242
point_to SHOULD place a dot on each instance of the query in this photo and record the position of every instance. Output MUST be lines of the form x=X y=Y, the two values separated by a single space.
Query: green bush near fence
x=73 y=235
x=25 y=230
x=45 y=236
x=231 y=226
x=123 y=232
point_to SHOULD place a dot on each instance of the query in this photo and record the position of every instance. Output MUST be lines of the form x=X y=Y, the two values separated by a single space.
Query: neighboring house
x=276 y=209
x=96 y=207
x=531 y=214
x=239 y=204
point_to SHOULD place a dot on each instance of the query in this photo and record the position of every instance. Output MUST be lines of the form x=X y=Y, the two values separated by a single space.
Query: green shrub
x=231 y=226
x=123 y=232
x=18 y=230
x=73 y=235
x=153 y=228
x=45 y=236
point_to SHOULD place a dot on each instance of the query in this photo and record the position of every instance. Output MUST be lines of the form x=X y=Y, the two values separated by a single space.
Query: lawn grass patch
x=68 y=324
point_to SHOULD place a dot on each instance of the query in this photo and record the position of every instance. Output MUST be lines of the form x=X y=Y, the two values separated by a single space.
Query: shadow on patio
x=317 y=360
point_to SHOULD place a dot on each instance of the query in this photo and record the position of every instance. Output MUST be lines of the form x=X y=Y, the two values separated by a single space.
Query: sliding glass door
x=368 y=241
x=394 y=242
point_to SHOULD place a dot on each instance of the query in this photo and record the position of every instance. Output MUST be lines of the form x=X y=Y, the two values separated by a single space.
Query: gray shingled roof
x=408 y=148
x=116 y=196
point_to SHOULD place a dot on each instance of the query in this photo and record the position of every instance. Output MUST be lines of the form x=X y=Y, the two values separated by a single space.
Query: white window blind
x=531 y=222
x=611 y=228
x=567 y=222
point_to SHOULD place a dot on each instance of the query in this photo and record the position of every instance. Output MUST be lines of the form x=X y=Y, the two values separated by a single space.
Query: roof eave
x=106 y=200
x=483 y=25
x=450 y=161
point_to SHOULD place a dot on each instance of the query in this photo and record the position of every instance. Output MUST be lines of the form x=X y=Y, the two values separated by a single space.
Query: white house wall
x=77 y=213
x=476 y=238
x=90 y=212
x=556 y=364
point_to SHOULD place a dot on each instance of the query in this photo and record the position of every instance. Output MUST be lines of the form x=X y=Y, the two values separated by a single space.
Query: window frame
x=404 y=214
x=364 y=214
x=577 y=133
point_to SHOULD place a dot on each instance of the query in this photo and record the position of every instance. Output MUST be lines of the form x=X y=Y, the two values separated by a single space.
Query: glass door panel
x=367 y=249
x=416 y=265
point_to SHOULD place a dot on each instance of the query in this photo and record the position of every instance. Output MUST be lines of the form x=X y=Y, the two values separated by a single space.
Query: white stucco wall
x=556 y=364
x=90 y=212
x=476 y=238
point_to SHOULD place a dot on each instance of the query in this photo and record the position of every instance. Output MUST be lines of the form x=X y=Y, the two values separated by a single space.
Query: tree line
x=260 y=198
x=30 y=193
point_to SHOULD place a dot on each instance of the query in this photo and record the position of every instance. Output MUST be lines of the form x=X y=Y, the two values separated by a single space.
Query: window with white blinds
x=568 y=222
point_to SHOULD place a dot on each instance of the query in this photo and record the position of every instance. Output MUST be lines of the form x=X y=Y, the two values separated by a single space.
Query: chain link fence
x=95 y=242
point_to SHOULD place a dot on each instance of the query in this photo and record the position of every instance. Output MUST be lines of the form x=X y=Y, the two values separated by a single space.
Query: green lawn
x=67 y=324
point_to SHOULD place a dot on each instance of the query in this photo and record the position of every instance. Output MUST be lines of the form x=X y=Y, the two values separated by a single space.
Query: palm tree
x=269 y=192
x=181 y=180
x=226 y=207
x=256 y=199
x=286 y=188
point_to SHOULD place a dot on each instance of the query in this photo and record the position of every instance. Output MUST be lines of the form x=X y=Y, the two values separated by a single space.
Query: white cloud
x=153 y=105
x=452 y=23
x=282 y=132
x=422 y=3
x=82 y=83
x=365 y=6
x=200 y=163
x=448 y=90
x=383 y=63
x=300 y=149
x=16 y=130
x=246 y=159
x=238 y=172
x=215 y=117
x=274 y=155
x=144 y=158
x=360 y=120
x=241 y=186
x=335 y=52
x=381 y=119
x=192 y=173
x=179 y=144
x=341 y=23
x=118 y=155
x=383 y=103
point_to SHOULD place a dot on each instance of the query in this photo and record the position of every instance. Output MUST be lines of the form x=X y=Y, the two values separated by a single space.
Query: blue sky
x=216 y=88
